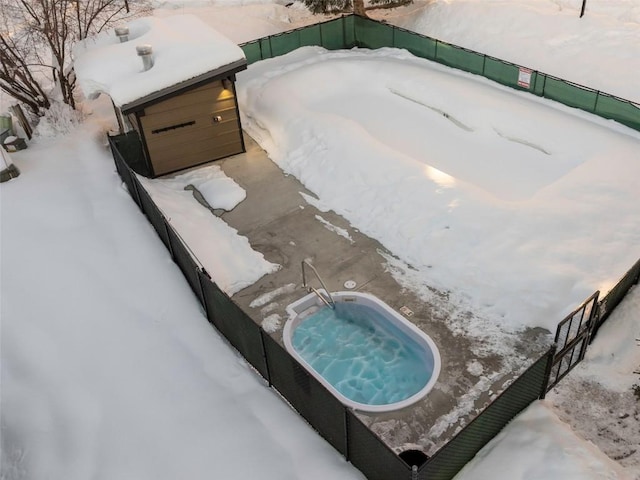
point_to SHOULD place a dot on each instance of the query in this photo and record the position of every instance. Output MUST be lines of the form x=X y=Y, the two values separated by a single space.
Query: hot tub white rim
x=406 y=326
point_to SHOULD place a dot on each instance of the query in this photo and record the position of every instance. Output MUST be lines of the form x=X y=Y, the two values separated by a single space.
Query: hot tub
x=367 y=354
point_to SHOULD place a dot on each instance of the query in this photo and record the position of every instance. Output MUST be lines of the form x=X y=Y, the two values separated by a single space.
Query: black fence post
x=595 y=318
x=200 y=273
x=595 y=105
x=166 y=228
x=345 y=418
x=135 y=184
x=547 y=373
x=266 y=358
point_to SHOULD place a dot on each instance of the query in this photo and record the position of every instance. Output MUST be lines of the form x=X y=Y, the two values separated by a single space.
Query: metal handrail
x=328 y=302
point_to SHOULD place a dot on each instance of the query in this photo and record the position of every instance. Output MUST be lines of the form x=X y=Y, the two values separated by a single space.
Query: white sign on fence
x=524 y=77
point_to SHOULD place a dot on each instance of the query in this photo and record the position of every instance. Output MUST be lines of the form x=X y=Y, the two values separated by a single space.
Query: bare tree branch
x=36 y=37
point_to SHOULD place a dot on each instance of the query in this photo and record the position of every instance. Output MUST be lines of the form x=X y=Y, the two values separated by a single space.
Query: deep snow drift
x=517 y=207
x=109 y=366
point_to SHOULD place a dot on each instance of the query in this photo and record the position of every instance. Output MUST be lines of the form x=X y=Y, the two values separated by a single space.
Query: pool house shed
x=172 y=82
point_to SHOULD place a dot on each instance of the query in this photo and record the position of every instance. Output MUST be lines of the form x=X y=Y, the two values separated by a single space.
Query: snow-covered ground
x=489 y=194
x=109 y=368
x=600 y=50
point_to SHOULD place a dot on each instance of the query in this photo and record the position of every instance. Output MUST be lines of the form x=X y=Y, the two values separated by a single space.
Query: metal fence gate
x=572 y=339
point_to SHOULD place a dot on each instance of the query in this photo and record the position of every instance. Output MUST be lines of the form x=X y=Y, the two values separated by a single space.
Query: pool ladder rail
x=328 y=299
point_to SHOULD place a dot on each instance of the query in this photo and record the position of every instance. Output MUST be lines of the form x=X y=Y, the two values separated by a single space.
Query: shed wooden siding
x=181 y=132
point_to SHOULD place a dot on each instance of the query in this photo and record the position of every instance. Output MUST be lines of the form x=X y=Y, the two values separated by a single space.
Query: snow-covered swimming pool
x=364 y=352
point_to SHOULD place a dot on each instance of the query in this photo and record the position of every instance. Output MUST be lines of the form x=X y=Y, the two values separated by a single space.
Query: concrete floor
x=281 y=225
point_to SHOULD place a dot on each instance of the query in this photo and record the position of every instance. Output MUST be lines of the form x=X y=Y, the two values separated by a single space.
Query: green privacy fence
x=354 y=31
x=333 y=35
x=335 y=422
x=338 y=424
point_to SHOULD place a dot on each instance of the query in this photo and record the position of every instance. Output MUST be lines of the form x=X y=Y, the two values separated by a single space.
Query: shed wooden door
x=192 y=128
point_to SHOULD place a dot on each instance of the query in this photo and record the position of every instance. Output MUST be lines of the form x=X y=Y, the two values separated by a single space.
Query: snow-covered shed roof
x=185 y=52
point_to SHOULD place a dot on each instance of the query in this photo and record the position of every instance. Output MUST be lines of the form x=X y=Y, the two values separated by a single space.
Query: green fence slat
x=384 y=35
x=459 y=58
x=371 y=34
x=537 y=83
x=310 y=36
x=349 y=29
x=333 y=34
x=265 y=47
x=624 y=112
x=501 y=72
x=252 y=52
x=285 y=43
x=416 y=44
x=569 y=94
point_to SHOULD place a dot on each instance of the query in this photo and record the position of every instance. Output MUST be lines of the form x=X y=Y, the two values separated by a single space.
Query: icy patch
x=271 y=323
x=475 y=368
x=398 y=429
x=315 y=202
x=269 y=296
x=269 y=308
x=466 y=406
x=333 y=228
x=489 y=337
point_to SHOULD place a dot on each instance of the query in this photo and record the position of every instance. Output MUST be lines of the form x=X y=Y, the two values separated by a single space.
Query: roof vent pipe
x=146 y=53
x=123 y=34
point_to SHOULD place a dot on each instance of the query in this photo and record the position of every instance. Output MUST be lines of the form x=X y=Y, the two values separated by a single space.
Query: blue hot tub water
x=365 y=358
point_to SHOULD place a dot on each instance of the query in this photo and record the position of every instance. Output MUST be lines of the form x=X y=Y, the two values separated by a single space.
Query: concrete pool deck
x=281 y=225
